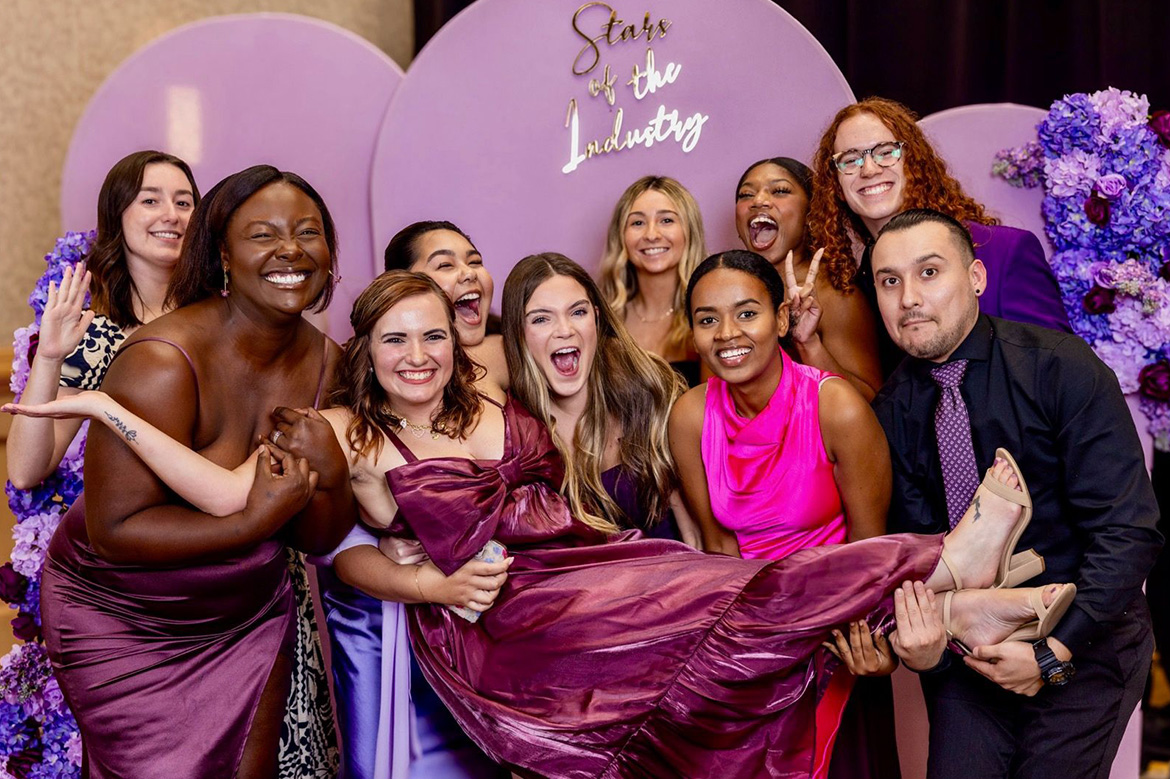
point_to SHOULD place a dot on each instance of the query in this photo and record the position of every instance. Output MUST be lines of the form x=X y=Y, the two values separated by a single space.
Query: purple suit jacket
x=1020 y=283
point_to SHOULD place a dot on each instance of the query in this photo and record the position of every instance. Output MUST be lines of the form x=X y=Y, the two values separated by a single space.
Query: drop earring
x=223 y=293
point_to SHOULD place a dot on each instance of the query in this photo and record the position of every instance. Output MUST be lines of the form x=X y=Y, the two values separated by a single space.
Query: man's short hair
x=914 y=217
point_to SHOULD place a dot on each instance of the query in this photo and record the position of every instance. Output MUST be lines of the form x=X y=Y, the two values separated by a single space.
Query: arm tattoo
x=975 y=503
x=129 y=433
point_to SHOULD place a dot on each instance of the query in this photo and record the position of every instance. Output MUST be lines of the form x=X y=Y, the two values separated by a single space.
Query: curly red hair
x=834 y=226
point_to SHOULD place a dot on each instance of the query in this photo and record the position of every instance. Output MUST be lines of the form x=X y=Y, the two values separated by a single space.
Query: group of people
x=654 y=524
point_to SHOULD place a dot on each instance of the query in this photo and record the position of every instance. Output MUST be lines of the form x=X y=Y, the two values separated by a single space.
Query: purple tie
x=956 y=452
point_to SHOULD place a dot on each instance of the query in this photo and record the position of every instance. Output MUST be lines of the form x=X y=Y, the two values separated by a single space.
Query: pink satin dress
x=771 y=482
x=628 y=657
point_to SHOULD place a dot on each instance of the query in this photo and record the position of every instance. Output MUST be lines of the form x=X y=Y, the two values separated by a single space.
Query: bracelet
x=422 y=597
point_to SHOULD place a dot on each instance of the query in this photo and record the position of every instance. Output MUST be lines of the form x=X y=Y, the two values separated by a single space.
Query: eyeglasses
x=884 y=154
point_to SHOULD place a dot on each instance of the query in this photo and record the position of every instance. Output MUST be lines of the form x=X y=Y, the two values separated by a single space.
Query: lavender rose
x=1100 y=300
x=1155 y=381
x=1111 y=185
x=1097 y=210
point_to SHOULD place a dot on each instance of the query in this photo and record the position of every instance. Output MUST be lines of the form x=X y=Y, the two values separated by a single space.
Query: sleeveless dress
x=191 y=647
x=628 y=657
x=771 y=483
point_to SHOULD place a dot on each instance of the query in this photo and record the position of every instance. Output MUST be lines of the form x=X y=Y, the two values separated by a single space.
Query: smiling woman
x=133 y=561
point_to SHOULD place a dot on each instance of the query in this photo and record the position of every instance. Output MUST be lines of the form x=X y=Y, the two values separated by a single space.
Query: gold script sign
x=646 y=79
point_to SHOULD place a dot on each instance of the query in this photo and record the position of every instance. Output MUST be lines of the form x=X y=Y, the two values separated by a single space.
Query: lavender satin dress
x=620 y=658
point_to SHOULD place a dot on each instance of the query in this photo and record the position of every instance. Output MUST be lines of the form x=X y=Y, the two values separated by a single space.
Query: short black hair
x=914 y=217
x=739 y=260
x=399 y=254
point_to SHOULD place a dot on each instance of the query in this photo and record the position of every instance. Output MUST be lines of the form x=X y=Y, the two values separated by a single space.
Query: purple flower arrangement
x=1104 y=163
x=38 y=735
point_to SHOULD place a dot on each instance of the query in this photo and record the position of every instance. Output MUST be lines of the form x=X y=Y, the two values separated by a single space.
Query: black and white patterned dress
x=308 y=740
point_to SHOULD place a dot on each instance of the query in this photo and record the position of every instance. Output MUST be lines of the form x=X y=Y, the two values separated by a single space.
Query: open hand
x=804 y=309
x=64 y=322
x=87 y=403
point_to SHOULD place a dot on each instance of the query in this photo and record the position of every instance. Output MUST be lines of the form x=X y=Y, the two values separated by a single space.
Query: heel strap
x=946 y=560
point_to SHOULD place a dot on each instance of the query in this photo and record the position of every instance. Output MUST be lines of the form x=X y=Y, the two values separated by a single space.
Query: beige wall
x=54 y=54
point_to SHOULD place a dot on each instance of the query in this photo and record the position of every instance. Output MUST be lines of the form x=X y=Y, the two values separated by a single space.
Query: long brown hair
x=619 y=278
x=112 y=289
x=929 y=185
x=357 y=389
x=626 y=383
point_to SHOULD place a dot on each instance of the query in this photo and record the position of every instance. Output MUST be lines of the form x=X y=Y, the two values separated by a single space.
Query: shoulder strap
x=491 y=400
x=191 y=363
x=403 y=450
x=324 y=364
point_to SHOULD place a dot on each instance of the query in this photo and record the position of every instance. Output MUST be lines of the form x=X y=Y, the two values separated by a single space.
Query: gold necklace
x=416 y=430
x=645 y=321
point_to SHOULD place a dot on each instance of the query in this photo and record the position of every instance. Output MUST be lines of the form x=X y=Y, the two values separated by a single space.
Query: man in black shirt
x=1047 y=399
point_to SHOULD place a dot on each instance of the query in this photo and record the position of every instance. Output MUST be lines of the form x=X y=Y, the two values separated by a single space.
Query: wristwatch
x=1052 y=670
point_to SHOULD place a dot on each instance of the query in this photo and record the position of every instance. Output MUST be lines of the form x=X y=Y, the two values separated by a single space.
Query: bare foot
x=988 y=617
x=974 y=547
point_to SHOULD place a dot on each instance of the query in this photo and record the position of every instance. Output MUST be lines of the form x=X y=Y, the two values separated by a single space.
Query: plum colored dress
x=619 y=657
x=164 y=667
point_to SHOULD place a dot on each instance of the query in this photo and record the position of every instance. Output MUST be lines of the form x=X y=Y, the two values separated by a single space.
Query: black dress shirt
x=1046 y=398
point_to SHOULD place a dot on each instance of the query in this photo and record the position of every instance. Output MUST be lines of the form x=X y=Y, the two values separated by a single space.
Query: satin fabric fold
x=163 y=667
x=629 y=657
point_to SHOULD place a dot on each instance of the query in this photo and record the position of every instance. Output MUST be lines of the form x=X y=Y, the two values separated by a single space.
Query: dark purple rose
x=25 y=628
x=1160 y=124
x=13 y=584
x=1097 y=210
x=1155 y=381
x=1099 y=300
x=1164 y=271
x=1111 y=185
x=21 y=763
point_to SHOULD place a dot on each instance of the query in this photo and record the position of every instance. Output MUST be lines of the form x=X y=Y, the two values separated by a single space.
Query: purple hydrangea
x=1119 y=110
x=1021 y=166
x=1072 y=174
x=1072 y=123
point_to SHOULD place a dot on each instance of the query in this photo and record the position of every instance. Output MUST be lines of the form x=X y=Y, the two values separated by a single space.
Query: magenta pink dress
x=628 y=658
x=769 y=477
x=771 y=483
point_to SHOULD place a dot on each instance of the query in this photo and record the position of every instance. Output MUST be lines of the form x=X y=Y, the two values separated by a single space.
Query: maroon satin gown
x=631 y=657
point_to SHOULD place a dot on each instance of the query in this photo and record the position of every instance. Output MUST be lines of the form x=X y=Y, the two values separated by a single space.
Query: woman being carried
x=642 y=657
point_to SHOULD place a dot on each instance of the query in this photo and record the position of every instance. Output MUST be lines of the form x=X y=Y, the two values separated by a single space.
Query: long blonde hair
x=626 y=383
x=619 y=278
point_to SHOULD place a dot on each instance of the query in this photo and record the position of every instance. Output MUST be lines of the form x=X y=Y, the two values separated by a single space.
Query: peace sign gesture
x=804 y=310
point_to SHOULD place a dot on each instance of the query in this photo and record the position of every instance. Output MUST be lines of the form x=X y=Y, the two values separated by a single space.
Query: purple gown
x=628 y=658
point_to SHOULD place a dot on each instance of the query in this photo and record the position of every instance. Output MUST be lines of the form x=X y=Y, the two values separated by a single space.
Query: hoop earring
x=223 y=293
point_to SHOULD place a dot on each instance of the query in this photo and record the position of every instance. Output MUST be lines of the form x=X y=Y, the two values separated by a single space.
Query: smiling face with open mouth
x=457 y=267
x=873 y=193
x=153 y=225
x=275 y=250
x=654 y=235
x=560 y=332
x=770 y=212
x=736 y=327
x=410 y=348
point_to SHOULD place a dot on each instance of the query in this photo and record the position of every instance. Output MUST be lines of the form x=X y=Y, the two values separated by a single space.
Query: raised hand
x=88 y=403
x=804 y=309
x=64 y=322
x=474 y=585
x=280 y=490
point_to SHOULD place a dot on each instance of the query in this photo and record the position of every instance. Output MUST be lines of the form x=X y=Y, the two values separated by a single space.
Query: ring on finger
x=276 y=435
